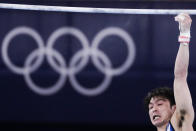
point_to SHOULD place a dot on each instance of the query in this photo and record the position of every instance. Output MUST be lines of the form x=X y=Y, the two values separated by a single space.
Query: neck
x=162 y=128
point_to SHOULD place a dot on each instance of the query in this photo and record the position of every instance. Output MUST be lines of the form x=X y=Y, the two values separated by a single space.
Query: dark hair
x=163 y=92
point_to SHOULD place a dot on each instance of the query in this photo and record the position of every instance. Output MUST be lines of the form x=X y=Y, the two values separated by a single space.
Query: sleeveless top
x=169 y=127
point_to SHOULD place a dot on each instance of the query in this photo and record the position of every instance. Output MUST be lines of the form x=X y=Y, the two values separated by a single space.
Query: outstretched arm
x=184 y=108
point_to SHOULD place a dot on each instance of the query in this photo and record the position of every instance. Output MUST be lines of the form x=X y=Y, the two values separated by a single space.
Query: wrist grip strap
x=184 y=39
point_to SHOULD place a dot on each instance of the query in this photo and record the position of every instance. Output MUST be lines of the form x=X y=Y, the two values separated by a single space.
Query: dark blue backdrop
x=155 y=41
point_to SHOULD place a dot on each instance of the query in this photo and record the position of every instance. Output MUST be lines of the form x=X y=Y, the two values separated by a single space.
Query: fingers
x=179 y=18
x=184 y=21
x=183 y=17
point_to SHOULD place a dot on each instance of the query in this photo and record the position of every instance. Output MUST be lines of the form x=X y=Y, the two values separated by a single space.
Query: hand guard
x=184 y=21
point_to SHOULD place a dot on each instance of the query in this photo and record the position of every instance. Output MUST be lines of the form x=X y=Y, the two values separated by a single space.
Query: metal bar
x=96 y=10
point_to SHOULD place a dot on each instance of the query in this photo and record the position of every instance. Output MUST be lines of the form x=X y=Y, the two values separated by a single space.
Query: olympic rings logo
x=77 y=63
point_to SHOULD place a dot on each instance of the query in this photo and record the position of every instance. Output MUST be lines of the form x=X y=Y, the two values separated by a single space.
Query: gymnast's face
x=160 y=111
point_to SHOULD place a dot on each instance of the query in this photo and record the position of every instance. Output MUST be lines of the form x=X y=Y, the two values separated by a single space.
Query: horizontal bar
x=96 y=10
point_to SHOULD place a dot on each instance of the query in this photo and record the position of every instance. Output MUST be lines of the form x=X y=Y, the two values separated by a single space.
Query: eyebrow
x=159 y=99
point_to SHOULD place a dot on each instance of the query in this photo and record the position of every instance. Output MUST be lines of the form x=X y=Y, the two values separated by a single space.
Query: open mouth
x=155 y=117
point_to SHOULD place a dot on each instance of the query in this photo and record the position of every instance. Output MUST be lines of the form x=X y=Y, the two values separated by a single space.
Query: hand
x=184 y=21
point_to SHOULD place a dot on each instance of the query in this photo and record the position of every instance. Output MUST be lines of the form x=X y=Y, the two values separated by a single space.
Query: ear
x=173 y=108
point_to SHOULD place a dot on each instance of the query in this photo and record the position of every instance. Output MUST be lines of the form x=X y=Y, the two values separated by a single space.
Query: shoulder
x=182 y=121
x=170 y=127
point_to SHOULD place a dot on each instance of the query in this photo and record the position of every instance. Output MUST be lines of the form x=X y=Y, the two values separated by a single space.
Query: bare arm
x=181 y=90
x=184 y=108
